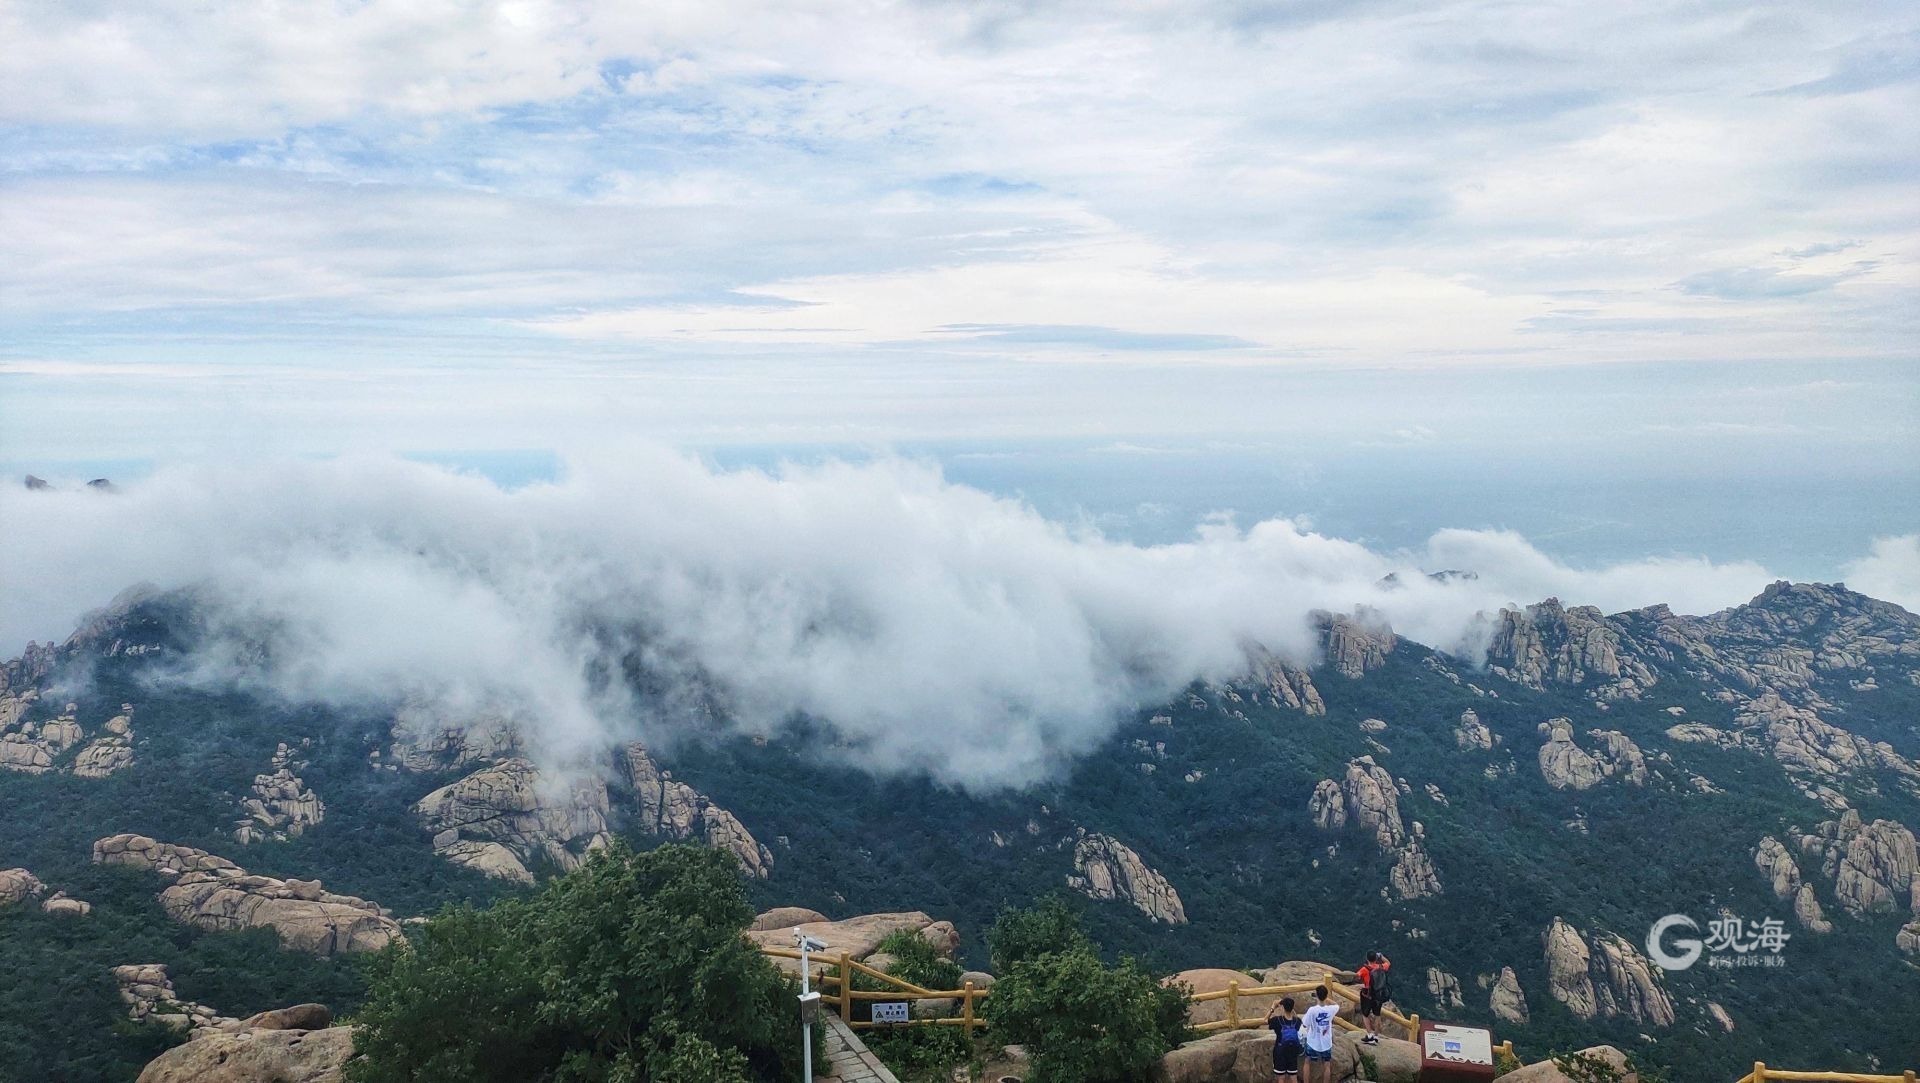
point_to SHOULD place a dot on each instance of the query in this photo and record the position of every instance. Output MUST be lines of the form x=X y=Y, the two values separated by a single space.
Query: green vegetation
x=917 y=1053
x=631 y=969
x=1081 y=1020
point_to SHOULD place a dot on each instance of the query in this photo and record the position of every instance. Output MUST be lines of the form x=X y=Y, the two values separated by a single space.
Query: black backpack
x=1380 y=984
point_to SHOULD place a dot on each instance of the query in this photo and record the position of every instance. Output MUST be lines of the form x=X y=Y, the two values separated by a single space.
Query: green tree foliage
x=1046 y=928
x=917 y=1052
x=1081 y=1020
x=631 y=969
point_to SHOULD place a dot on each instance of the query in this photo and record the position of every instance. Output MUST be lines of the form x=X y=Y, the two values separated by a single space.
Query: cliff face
x=503 y=818
x=1609 y=978
x=1106 y=868
x=675 y=810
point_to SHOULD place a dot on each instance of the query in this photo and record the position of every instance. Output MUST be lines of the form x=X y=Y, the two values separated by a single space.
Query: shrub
x=1083 y=1021
x=629 y=969
x=1048 y=927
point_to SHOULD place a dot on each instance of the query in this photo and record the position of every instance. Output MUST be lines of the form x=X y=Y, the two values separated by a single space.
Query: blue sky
x=1606 y=238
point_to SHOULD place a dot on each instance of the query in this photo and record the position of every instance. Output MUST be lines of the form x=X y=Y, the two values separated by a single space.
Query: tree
x=630 y=969
x=1048 y=927
x=1081 y=1020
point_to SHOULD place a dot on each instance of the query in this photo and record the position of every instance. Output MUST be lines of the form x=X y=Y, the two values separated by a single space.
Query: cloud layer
x=935 y=627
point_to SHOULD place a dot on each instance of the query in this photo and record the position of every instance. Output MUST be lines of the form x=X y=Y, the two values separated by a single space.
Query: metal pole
x=806 y=1028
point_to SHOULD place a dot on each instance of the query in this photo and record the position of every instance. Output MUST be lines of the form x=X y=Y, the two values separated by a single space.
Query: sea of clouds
x=934 y=626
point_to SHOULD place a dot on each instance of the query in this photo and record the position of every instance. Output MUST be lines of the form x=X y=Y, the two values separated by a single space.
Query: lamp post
x=809 y=1001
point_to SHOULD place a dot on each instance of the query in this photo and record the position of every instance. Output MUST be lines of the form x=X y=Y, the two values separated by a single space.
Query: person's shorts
x=1368 y=1006
x=1286 y=1057
x=1319 y=1054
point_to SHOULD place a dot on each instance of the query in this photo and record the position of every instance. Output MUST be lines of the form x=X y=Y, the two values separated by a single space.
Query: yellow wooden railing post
x=846 y=989
x=966 y=1008
x=1413 y=1027
x=1759 y=1072
x=1908 y=1076
x=1233 y=1005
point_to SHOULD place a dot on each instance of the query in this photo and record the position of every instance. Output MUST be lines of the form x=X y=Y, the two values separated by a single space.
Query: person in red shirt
x=1375 y=989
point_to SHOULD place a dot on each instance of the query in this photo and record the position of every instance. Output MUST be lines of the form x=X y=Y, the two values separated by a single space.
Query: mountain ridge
x=1491 y=824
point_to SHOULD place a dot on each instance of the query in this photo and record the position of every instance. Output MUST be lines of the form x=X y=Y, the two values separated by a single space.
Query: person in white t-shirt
x=1316 y=1034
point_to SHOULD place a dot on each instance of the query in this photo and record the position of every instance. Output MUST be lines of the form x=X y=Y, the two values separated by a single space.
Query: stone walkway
x=848 y=1060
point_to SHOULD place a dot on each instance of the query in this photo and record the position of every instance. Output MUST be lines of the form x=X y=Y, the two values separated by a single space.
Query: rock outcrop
x=425 y=741
x=111 y=751
x=1328 y=806
x=675 y=810
x=1283 y=686
x=1547 y=1071
x=1610 y=979
x=280 y=805
x=1565 y=765
x=1413 y=875
x=1505 y=999
x=1106 y=868
x=147 y=990
x=1776 y=863
x=1370 y=797
x=62 y=904
x=210 y=892
x=1626 y=983
x=1373 y=802
x=1444 y=988
x=256 y=1056
x=505 y=818
x=785 y=917
x=1246 y=1056
x=35 y=749
x=859 y=937
x=1548 y=644
x=1872 y=865
x=1569 y=969
x=19 y=885
x=1471 y=733
x=1356 y=644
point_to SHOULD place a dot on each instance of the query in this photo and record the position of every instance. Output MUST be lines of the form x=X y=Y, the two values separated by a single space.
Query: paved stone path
x=848 y=1060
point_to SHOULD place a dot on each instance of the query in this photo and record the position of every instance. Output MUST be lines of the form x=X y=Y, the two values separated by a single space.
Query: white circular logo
x=1690 y=947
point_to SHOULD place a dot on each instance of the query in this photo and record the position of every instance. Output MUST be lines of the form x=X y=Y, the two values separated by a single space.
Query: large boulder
x=1214 y=980
x=1548 y=1072
x=210 y=892
x=535 y=819
x=296 y=1017
x=256 y=1056
x=859 y=936
x=785 y=917
x=19 y=885
x=1246 y=1056
x=1230 y=1055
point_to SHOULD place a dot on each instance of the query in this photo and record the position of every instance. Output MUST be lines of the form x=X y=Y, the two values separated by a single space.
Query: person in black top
x=1286 y=1039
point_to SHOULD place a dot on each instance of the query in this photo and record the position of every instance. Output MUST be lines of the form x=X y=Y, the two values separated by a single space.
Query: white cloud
x=1890 y=570
x=937 y=628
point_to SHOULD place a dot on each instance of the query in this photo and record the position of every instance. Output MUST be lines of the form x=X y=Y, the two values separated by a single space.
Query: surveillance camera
x=808 y=943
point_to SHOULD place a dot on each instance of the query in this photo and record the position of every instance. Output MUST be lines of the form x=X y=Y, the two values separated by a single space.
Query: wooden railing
x=1235 y=1021
x=836 y=973
x=1761 y=1074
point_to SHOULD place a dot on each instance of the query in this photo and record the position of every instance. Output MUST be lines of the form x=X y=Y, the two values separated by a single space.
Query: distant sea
x=1801 y=519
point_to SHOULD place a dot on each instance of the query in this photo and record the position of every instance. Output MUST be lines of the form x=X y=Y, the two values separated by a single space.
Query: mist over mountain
x=934 y=627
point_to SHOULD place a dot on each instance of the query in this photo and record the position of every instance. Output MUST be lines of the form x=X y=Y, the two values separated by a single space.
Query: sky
x=1661 y=257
